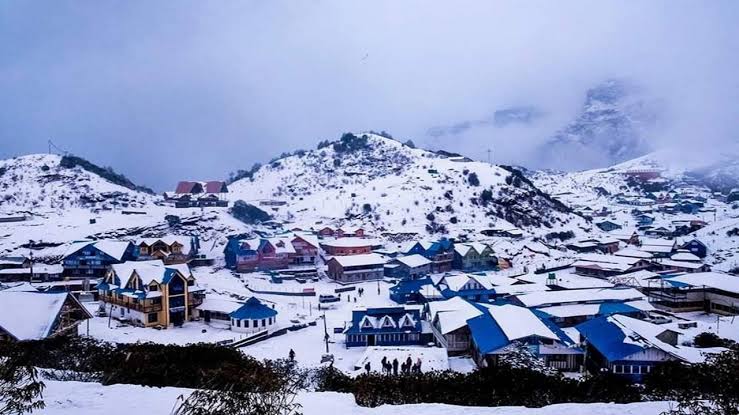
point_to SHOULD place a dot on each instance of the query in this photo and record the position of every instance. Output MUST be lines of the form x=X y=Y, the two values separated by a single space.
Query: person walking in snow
x=395 y=366
x=291 y=355
x=384 y=363
x=367 y=367
x=418 y=364
x=408 y=362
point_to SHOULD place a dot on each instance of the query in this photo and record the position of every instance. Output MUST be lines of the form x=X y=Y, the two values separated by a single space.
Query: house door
x=206 y=316
x=370 y=340
x=177 y=318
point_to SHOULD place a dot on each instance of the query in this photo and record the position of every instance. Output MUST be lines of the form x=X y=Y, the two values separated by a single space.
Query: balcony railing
x=149 y=308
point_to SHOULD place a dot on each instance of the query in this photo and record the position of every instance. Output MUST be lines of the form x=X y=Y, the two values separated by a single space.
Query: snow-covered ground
x=66 y=398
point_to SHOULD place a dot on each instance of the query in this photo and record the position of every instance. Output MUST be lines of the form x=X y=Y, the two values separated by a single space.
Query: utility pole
x=325 y=331
x=489 y=157
x=30 y=259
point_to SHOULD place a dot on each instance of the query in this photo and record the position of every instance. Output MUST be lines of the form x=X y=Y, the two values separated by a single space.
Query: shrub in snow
x=473 y=180
x=247 y=213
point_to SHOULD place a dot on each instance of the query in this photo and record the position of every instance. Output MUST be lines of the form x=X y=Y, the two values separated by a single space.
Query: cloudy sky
x=171 y=90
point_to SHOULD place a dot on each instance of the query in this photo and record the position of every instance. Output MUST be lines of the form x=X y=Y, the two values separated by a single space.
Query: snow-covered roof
x=413 y=261
x=148 y=271
x=114 y=249
x=519 y=322
x=39 y=312
x=219 y=305
x=185 y=241
x=452 y=313
x=717 y=280
x=634 y=253
x=538 y=299
x=575 y=310
x=685 y=256
x=657 y=242
x=359 y=260
x=455 y=282
x=566 y=279
x=681 y=264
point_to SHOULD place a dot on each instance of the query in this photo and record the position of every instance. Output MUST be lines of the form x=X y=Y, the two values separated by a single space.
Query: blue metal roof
x=486 y=333
x=607 y=338
x=253 y=309
x=607 y=309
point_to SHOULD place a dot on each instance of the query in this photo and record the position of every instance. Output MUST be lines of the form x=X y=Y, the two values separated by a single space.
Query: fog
x=165 y=91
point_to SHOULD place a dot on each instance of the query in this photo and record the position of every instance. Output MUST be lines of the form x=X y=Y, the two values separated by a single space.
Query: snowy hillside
x=63 y=204
x=383 y=185
x=613 y=126
x=38 y=183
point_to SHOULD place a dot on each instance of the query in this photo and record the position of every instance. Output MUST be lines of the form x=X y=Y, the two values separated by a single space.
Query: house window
x=152 y=317
x=238 y=323
x=264 y=322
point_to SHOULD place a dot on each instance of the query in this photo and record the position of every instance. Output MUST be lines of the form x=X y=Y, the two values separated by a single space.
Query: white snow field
x=65 y=398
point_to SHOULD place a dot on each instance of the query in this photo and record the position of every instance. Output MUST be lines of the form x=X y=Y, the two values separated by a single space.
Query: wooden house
x=92 y=259
x=356 y=268
x=474 y=256
x=408 y=267
x=441 y=253
x=169 y=249
x=346 y=246
x=149 y=293
x=608 y=226
x=696 y=247
x=32 y=315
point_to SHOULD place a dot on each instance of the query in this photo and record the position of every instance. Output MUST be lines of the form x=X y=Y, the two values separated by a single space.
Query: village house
x=469 y=286
x=712 y=292
x=474 y=256
x=441 y=253
x=36 y=273
x=198 y=194
x=449 y=324
x=605 y=245
x=543 y=299
x=27 y=314
x=631 y=348
x=386 y=326
x=250 y=317
x=346 y=246
x=169 y=249
x=258 y=254
x=696 y=247
x=681 y=266
x=408 y=267
x=149 y=293
x=659 y=248
x=356 y=268
x=604 y=266
x=608 y=226
x=627 y=238
x=502 y=329
x=92 y=259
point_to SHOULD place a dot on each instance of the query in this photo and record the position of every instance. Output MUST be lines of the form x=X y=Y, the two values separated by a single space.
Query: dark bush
x=473 y=180
x=350 y=143
x=708 y=339
x=248 y=213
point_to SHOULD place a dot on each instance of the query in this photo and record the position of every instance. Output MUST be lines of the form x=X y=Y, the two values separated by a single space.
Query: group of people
x=389 y=367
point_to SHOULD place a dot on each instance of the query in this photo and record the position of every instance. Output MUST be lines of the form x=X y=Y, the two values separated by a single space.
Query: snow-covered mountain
x=613 y=126
x=386 y=186
x=68 y=199
x=42 y=182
